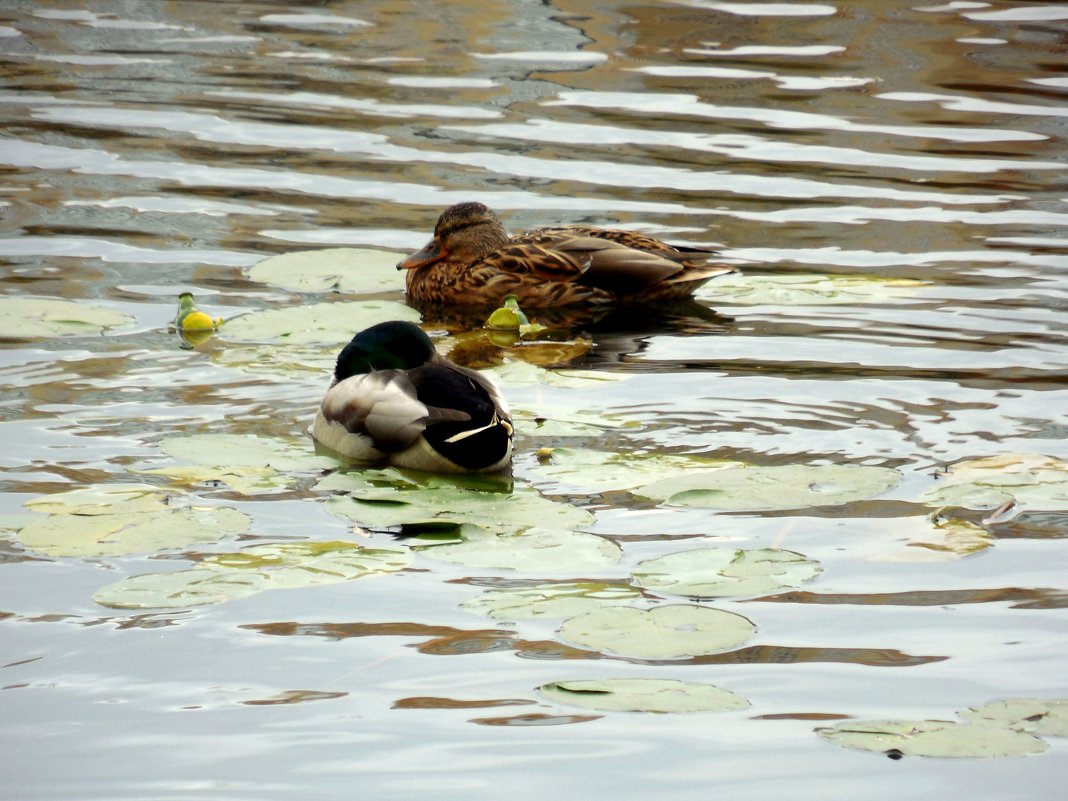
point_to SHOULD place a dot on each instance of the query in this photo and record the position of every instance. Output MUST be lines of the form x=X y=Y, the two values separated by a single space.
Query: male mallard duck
x=394 y=399
x=471 y=261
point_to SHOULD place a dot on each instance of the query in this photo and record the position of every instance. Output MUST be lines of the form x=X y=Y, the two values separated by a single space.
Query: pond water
x=888 y=178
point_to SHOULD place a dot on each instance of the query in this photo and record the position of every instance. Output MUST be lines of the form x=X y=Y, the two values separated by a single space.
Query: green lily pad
x=30 y=318
x=751 y=489
x=224 y=577
x=547 y=601
x=313 y=363
x=663 y=632
x=798 y=289
x=350 y=270
x=720 y=572
x=933 y=738
x=1033 y=481
x=581 y=469
x=131 y=532
x=385 y=505
x=318 y=323
x=244 y=479
x=534 y=550
x=246 y=450
x=1047 y=716
x=643 y=695
x=102 y=499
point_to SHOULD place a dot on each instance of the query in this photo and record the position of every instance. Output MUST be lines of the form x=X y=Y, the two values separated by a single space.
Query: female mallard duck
x=471 y=261
x=395 y=400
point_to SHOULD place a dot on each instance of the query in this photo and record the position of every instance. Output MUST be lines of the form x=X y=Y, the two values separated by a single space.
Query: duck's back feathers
x=436 y=416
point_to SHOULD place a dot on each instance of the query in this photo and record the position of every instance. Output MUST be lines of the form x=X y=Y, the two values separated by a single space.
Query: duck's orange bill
x=428 y=255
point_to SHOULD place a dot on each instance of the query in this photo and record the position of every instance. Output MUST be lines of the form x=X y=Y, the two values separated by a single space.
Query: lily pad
x=534 y=550
x=933 y=738
x=318 y=323
x=519 y=373
x=385 y=505
x=664 y=632
x=602 y=471
x=720 y=572
x=751 y=489
x=798 y=289
x=246 y=450
x=1046 y=716
x=1032 y=481
x=131 y=532
x=351 y=270
x=939 y=541
x=555 y=421
x=30 y=318
x=547 y=601
x=102 y=499
x=223 y=577
x=313 y=363
x=643 y=695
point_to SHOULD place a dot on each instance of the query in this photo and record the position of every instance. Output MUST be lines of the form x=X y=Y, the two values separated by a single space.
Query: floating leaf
x=559 y=600
x=131 y=532
x=719 y=572
x=318 y=323
x=643 y=695
x=1033 y=481
x=102 y=499
x=534 y=550
x=244 y=479
x=796 y=289
x=664 y=632
x=439 y=501
x=555 y=421
x=224 y=577
x=939 y=541
x=1048 y=716
x=780 y=487
x=29 y=318
x=272 y=363
x=933 y=738
x=350 y=270
x=519 y=373
x=574 y=469
x=246 y=450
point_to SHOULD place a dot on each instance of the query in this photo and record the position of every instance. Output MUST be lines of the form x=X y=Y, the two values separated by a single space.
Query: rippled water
x=151 y=148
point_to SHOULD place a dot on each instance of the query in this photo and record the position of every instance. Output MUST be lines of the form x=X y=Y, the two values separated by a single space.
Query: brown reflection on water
x=535 y=720
x=434 y=702
x=295 y=697
x=1024 y=598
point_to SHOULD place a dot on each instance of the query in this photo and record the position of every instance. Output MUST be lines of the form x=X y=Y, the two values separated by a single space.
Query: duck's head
x=465 y=233
x=395 y=345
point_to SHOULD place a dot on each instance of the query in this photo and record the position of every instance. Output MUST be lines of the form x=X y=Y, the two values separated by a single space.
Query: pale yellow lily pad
x=519 y=373
x=1045 y=716
x=32 y=318
x=752 y=488
x=582 y=469
x=643 y=695
x=247 y=450
x=350 y=270
x=226 y=576
x=938 y=541
x=533 y=550
x=722 y=572
x=933 y=738
x=800 y=289
x=102 y=499
x=131 y=532
x=316 y=323
x=663 y=632
x=1032 y=481
x=547 y=601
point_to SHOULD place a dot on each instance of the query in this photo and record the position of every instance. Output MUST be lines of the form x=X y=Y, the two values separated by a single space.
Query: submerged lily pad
x=558 y=600
x=1046 y=716
x=30 y=318
x=377 y=500
x=102 y=499
x=603 y=471
x=643 y=695
x=224 y=577
x=933 y=738
x=352 y=270
x=534 y=550
x=796 y=289
x=719 y=572
x=519 y=373
x=939 y=541
x=664 y=632
x=79 y=534
x=318 y=323
x=750 y=488
x=1032 y=481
